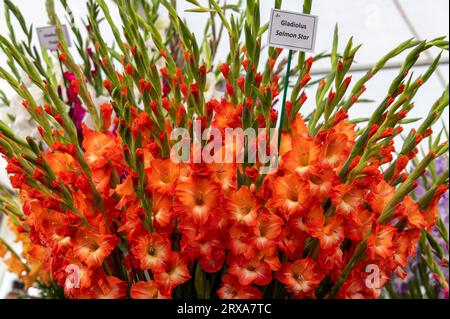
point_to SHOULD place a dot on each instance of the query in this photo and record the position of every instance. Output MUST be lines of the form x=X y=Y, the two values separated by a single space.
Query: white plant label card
x=48 y=38
x=292 y=30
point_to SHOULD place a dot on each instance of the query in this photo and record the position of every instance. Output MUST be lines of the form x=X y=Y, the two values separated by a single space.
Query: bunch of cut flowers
x=164 y=191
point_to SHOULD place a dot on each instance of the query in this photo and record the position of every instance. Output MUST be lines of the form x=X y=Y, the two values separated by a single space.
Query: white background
x=377 y=24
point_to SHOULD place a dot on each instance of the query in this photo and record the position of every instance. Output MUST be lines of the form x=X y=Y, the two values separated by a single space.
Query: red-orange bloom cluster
x=298 y=228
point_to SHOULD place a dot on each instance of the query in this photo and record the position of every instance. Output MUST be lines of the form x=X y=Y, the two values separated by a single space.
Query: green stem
x=283 y=106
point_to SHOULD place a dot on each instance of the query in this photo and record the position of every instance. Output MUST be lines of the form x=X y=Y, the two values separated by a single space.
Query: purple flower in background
x=94 y=70
x=72 y=94
x=166 y=88
x=77 y=112
x=441 y=167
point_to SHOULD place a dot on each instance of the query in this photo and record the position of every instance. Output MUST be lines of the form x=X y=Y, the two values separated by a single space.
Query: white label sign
x=292 y=30
x=48 y=38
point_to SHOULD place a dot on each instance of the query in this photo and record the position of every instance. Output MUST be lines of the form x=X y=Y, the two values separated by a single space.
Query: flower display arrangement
x=109 y=208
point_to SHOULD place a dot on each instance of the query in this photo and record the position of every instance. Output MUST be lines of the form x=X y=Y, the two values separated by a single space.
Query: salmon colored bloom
x=93 y=248
x=432 y=212
x=299 y=129
x=300 y=277
x=400 y=256
x=243 y=207
x=321 y=181
x=153 y=251
x=212 y=254
x=225 y=175
x=353 y=288
x=330 y=260
x=226 y=116
x=286 y=144
x=379 y=196
x=253 y=271
x=405 y=247
x=380 y=243
x=142 y=124
x=348 y=129
x=332 y=233
x=290 y=195
x=198 y=198
x=267 y=230
x=176 y=273
x=359 y=224
x=239 y=241
x=101 y=148
x=77 y=277
x=311 y=222
x=109 y=287
x=302 y=157
x=162 y=176
x=410 y=210
x=232 y=289
x=333 y=151
x=347 y=198
x=60 y=163
x=145 y=290
x=162 y=209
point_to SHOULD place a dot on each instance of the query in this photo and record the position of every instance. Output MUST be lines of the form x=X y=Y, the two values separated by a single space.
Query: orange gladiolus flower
x=225 y=175
x=93 y=248
x=162 y=209
x=77 y=278
x=359 y=224
x=400 y=256
x=267 y=230
x=60 y=163
x=162 y=176
x=175 y=274
x=153 y=251
x=125 y=191
x=290 y=195
x=380 y=243
x=348 y=129
x=321 y=181
x=347 y=198
x=146 y=290
x=253 y=271
x=227 y=116
x=302 y=157
x=432 y=212
x=101 y=148
x=330 y=260
x=286 y=144
x=243 y=207
x=379 y=196
x=232 y=289
x=198 y=198
x=110 y=288
x=239 y=243
x=411 y=212
x=332 y=234
x=102 y=179
x=333 y=151
x=311 y=222
x=300 y=277
x=299 y=129
x=354 y=288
